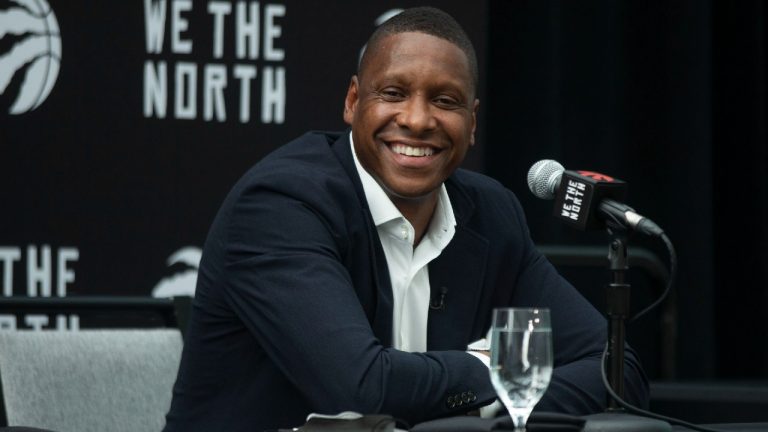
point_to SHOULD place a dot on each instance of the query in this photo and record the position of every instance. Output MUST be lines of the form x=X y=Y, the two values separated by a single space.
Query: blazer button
x=472 y=396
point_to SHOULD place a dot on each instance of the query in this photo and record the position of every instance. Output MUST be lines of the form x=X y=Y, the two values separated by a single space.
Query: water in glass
x=521 y=359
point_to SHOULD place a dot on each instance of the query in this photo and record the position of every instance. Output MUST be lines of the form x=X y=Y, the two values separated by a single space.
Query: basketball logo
x=596 y=176
x=184 y=263
x=30 y=66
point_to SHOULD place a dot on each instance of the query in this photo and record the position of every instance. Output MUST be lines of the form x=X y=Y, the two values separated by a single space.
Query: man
x=346 y=275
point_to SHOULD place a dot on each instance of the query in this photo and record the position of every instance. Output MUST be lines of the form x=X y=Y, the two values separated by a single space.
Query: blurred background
x=670 y=97
x=123 y=125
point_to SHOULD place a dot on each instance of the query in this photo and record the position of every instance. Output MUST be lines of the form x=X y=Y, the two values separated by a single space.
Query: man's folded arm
x=286 y=281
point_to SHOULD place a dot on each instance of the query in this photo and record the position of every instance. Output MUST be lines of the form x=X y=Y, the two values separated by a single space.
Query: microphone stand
x=617 y=296
x=615 y=418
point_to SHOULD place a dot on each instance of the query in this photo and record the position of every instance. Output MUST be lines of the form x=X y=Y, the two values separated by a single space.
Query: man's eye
x=391 y=94
x=446 y=102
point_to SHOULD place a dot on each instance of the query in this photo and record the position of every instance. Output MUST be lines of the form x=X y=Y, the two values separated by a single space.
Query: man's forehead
x=389 y=40
x=413 y=45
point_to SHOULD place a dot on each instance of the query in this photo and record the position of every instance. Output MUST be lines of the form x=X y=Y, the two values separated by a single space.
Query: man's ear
x=474 y=121
x=350 y=102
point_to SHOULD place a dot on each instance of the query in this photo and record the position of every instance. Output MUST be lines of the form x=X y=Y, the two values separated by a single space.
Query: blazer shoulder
x=306 y=168
x=480 y=188
x=478 y=198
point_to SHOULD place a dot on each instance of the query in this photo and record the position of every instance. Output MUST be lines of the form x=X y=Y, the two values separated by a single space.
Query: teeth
x=412 y=151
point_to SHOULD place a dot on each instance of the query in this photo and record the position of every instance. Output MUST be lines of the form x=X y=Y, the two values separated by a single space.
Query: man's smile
x=407 y=150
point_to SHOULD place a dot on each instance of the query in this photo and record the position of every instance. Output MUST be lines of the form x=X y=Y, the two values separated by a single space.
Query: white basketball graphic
x=379 y=21
x=35 y=52
x=183 y=282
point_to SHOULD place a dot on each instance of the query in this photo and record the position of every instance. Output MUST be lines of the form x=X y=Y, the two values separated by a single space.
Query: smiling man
x=413 y=113
x=350 y=271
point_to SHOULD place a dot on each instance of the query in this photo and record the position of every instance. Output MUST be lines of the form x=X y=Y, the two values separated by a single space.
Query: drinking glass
x=521 y=359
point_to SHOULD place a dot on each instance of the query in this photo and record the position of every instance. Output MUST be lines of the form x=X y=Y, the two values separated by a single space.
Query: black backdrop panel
x=109 y=186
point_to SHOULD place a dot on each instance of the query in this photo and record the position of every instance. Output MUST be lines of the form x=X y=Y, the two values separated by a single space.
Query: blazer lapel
x=457 y=276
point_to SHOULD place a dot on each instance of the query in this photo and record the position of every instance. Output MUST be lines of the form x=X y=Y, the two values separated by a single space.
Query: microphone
x=586 y=199
x=439 y=304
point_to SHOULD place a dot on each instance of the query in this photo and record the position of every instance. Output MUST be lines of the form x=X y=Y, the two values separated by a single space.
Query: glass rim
x=521 y=309
x=540 y=315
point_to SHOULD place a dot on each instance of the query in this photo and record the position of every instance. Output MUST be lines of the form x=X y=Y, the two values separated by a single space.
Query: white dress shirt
x=407 y=265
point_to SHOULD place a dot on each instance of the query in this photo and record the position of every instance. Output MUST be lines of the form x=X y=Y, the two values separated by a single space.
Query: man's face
x=412 y=112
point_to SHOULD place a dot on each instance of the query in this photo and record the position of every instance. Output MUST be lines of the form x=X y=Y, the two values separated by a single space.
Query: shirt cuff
x=483 y=344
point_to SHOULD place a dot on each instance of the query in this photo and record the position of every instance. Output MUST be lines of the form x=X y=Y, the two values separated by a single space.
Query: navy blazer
x=293 y=308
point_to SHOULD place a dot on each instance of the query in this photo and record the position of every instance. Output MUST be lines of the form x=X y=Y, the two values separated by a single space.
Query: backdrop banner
x=124 y=124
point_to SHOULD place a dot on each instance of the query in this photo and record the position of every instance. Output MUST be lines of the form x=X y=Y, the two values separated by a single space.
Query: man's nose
x=417 y=115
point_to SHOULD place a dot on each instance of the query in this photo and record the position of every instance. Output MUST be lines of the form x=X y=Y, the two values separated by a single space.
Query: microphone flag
x=580 y=193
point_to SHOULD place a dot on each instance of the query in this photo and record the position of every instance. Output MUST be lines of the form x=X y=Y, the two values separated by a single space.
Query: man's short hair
x=427 y=20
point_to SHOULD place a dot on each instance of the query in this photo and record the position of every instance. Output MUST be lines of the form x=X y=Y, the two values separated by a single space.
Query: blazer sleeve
x=286 y=281
x=579 y=336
